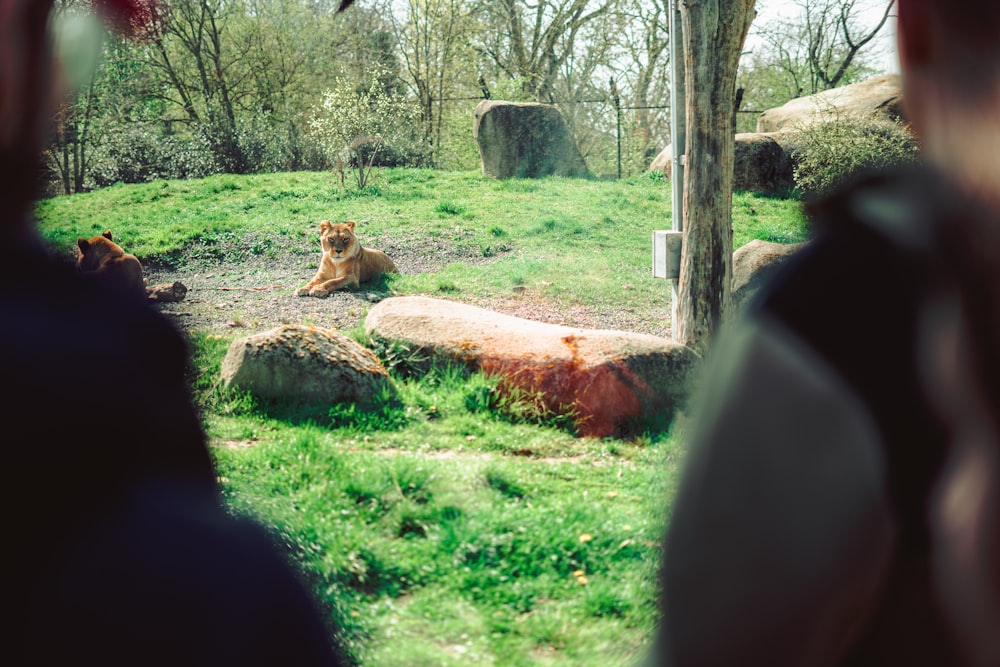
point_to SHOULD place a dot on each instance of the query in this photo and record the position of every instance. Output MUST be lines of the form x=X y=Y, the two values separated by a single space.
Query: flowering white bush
x=347 y=120
x=832 y=152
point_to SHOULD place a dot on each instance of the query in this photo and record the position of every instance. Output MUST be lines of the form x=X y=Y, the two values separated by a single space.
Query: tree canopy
x=206 y=86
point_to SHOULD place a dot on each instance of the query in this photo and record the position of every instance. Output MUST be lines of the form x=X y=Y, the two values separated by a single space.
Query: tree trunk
x=713 y=34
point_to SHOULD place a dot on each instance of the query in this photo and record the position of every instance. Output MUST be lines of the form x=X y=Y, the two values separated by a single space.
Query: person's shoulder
x=869 y=244
x=44 y=291
x=853 y=296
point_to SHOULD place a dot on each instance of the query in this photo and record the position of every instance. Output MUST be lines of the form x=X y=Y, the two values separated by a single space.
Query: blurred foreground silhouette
x=122 y=551
x=839 y=504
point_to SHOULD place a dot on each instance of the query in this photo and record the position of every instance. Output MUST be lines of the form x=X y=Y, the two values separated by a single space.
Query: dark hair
x=25 y=82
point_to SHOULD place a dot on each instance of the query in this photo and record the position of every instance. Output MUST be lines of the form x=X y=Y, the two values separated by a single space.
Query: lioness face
x=338 y=240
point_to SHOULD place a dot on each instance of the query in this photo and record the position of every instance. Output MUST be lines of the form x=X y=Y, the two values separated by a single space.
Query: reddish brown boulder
x=610 y=382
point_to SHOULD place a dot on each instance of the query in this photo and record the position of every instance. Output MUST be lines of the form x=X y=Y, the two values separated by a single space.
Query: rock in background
x=525 y=140
x=880 y=96
x=753 y=265
x=761 y=164
x=765 y=159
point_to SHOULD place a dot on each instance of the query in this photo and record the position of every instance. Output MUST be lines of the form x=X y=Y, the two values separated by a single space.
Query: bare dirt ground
x=241 y=287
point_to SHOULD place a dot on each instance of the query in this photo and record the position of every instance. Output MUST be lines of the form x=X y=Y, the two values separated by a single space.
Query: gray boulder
x=753 y=265
x=525 y=140
x=662 y=162
x=609 y=382
x=881 y=97
x=761 y=163
x=302 y=363
x=765 y=159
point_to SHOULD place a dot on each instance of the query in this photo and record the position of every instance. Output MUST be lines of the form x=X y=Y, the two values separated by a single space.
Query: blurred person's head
x=42 y=63
x=949 y=54
x=27 y=94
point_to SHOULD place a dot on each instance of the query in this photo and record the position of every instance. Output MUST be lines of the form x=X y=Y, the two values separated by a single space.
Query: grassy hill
x=442 y=531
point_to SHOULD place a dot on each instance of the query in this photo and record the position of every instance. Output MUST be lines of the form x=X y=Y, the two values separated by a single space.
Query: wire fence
x=617 y=140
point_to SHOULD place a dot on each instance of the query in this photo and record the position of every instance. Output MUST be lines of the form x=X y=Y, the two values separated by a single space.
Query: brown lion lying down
x=101 y=256
x=345 y=263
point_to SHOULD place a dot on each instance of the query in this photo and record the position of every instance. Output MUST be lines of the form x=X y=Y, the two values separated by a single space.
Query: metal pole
x=677 y=142
x=618 y=111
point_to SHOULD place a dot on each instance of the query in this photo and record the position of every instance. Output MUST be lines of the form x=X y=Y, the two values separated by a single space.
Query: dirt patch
x=248 y=284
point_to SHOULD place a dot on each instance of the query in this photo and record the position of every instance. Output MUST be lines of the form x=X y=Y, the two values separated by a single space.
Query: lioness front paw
x=318 y=292
x=302 y=291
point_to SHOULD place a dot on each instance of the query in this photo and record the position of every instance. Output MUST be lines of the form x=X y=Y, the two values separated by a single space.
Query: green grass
x=443 y=525
x=465 y=537
x=569 y=240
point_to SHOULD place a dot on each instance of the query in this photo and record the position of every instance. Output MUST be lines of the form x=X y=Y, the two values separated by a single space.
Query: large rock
x=765 y=159
x=525 y=140
x=302 y=363
x=662 y=162
x=611 y=382
x=880 y=96
x=761 y=164
x=753 y=265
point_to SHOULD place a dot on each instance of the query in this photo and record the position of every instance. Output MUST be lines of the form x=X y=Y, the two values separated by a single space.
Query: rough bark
x=713 y=34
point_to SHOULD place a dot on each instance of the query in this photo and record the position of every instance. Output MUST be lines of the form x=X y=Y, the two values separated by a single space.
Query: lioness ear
x=324 y=225
x=107 y=234
x=82 y=244
x=350 y=224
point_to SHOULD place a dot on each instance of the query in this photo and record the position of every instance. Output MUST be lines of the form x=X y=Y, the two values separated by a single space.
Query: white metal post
x=677 y=141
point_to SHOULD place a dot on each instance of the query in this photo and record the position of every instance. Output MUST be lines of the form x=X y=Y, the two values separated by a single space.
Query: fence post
x=618 y=112
x=678 y=142
x=736 y=106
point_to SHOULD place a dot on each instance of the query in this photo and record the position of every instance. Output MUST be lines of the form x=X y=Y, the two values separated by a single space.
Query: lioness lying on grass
x=101 y=256
x=345 y=263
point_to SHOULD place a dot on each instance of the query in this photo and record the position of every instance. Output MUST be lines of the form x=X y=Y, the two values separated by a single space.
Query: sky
x=872 y=12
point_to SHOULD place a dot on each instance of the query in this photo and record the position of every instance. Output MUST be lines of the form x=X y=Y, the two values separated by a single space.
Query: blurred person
x=839 y=499
x=120 y=549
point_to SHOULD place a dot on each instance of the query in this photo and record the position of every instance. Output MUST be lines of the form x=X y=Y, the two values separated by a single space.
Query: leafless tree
x=531 y=41
x=818 y=47
x=432 y=35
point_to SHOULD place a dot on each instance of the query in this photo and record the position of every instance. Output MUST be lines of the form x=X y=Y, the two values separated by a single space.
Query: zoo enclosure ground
x=456 y=537
x=257 y=293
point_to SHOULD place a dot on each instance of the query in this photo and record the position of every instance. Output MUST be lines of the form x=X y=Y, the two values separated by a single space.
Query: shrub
x=373 y=117
x=369 y=150
x=141 y=152
x=133 y=153
x=833 y=152
x=273 y=145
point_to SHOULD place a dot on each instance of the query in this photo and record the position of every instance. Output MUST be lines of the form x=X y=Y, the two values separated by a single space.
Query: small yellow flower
x=627 y=527
x=582 y=581
x=586 y=537
x=578 y=573
x=612 y=494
